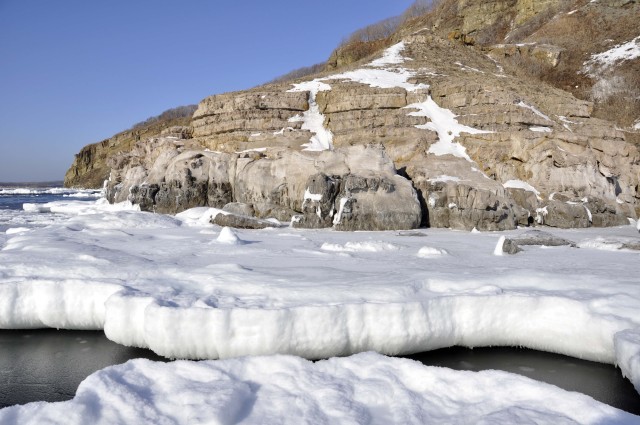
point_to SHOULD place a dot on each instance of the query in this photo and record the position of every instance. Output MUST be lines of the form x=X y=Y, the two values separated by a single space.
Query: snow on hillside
x=443 y=122
x=385 y=72
x=312 y=119
x=519 y=184
x=391 y=56
x=622 y=52
x=619 y=53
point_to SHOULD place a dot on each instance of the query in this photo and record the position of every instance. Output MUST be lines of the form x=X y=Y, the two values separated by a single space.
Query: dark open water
x=48 y=365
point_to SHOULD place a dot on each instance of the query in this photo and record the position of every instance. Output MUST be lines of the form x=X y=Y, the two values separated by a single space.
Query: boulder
x=239 y=208
x=565 y=215
x=533 y=237
x=241 y=221
x=351 y=188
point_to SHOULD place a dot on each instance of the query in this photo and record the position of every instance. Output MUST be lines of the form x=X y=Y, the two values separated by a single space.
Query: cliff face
x=89 y=168
x=431 y=131
x=553 y=41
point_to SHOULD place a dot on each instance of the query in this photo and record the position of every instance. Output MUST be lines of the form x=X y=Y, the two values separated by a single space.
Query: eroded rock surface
x=427 y=133
x=351 y=188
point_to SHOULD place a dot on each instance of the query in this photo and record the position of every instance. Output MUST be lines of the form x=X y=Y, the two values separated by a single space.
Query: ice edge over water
x=162 y=283
x=364 y=388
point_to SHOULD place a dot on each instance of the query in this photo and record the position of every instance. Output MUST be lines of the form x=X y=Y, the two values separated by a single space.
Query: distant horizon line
x=42 y=183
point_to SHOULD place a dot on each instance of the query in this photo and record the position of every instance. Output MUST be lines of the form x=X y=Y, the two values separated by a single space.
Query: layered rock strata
x=428 y=133
x=354 y=188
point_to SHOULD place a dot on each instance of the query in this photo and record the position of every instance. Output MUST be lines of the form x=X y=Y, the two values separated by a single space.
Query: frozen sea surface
x=186 y=289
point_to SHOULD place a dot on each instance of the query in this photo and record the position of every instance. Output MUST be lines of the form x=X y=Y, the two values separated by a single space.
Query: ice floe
x=365 y=388
x=167 y=283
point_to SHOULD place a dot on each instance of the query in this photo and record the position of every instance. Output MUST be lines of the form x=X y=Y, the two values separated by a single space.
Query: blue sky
x=74 y=72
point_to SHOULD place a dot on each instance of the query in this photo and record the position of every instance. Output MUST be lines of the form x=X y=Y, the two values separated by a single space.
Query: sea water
x=14 y=198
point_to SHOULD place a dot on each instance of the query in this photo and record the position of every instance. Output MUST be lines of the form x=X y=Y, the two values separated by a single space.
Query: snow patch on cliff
x=443 y=122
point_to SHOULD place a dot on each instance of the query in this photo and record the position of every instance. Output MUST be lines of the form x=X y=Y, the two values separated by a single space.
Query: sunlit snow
x=391 y=56
x=444 y=178
x=363 y=389
x=312 y=119
x=622 y=52
x=519 y=184
x=189 y=289
x=533 y=109
x=381 y=78
x=444 y=122
x=541 y=129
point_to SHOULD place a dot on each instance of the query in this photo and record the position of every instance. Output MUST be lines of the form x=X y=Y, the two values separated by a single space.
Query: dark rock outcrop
x=533 y=237
x=241 y=221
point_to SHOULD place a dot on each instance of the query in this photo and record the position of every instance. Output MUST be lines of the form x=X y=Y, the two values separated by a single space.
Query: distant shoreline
x=57 y=183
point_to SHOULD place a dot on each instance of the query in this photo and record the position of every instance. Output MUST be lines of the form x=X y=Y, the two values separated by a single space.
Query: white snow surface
x=228 y=236
x=444 y=122
x=369 y=246
x=391 y=56
x=444 y=178
x=362 y=389
x=497 y=251
x=312 y=119
x=168 y=283
x=431 y=252
x=381 y=78
x=622 y=52
x=541 y=129
x=519 y=184
x=533 y=109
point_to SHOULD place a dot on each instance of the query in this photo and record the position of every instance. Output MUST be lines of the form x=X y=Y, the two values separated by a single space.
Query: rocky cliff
x=89 y=168
x=430 y=131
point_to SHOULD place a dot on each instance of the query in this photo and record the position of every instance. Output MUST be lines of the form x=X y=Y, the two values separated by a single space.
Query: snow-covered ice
x=363 y=389
x=170 y=284
x=369 y=246
x=430 y=252
x=72 y=193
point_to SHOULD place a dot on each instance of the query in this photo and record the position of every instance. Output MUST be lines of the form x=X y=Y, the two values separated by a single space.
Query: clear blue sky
x=74 y=72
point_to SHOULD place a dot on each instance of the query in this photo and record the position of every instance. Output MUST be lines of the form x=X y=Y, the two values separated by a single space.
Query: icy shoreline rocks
x=430 y=134
x=354 y=188
x=512 y=245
